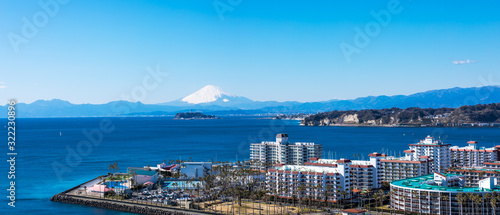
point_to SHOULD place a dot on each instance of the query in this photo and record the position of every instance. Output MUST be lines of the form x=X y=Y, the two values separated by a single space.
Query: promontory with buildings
x=487 y=115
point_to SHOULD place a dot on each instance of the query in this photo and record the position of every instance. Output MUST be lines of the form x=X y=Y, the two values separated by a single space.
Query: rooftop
x=300 y=168
x=476 y=169
x=429 y=141
x=419 y=183
x=397 y=158
x=473 y=147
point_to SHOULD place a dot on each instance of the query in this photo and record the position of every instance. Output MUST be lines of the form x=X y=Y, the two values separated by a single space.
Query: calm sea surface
x=53 y=154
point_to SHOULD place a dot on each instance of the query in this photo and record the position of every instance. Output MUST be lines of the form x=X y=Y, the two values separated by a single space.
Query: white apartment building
x=363 y=174
x=396 y=168
x=320 y=176
x=298 y=181
x=436 y=150
x=282 y=151
x=472 y=155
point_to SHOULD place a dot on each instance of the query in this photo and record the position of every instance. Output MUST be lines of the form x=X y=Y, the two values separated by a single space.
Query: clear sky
x=98 y=51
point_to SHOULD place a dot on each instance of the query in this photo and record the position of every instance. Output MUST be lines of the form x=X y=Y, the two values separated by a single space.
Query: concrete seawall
x=119 y=206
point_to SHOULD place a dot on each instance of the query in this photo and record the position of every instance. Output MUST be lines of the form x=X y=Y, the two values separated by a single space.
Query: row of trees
x=477 y=203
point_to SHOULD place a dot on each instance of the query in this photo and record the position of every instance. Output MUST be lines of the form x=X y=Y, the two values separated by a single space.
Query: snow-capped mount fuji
x=212 y=95
x=207 y=94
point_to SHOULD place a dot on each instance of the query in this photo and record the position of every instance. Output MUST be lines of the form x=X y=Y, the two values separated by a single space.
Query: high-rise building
x=436 y=150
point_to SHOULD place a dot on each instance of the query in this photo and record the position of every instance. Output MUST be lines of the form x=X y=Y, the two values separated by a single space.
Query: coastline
x=395 y=126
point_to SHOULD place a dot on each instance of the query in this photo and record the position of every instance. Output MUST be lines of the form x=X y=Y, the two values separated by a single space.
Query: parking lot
x=155 y=195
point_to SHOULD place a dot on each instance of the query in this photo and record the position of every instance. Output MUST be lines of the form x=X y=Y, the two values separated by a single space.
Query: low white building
x=488 y=183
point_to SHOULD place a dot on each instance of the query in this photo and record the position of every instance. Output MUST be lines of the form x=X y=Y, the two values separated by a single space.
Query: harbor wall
x=121 y=206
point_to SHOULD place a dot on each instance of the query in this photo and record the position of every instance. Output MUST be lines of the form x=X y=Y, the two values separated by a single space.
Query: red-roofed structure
x=353 y=211
x=320 y=164
x=344 y=161
x=376 y=154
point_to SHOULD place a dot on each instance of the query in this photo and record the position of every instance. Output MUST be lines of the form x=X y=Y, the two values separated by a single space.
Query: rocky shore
x=119 y=206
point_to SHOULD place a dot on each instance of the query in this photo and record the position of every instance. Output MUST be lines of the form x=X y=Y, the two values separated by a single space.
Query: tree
x=368 y=193
x=444 y=198
x=301 y=189
x=376 y=196
x=380 y=194
x=343 y=194
x=116 y=166
x=487 y=198
x=493 y=202
x=478 y=201
x=470 y=196
x=461 y=198
x=111 y=167
x=260 y=194
x=325 y=193
x=351 y=192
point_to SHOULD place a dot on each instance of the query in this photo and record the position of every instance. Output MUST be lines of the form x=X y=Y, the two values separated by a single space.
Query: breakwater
x=119 y=206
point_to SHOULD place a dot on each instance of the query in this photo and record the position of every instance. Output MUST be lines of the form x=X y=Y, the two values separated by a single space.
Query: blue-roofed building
x=144 y=175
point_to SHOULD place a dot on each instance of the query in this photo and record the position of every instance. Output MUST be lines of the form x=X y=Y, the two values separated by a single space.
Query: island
x=194 y=115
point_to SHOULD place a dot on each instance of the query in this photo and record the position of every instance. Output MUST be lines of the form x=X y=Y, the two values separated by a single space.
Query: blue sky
x=98 y=51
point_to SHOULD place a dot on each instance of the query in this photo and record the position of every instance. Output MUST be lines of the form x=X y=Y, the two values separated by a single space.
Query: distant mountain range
x=213 y=100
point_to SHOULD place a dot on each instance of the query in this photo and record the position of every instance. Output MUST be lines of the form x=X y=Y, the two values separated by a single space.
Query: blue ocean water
x=61 y=142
